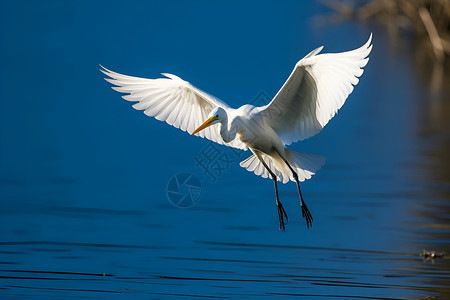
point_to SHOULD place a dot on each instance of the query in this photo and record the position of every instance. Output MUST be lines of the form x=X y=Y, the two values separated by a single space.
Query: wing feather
x=172 y=100
x=314 y=92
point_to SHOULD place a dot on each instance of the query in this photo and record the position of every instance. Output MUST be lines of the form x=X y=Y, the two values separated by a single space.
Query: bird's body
x=250 y=130
x=315 y=90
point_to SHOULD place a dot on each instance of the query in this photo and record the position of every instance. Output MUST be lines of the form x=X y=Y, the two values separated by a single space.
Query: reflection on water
x=433 y=132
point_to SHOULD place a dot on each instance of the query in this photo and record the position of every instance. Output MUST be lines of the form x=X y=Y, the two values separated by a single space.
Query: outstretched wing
x=172 y=100
x=316 y=89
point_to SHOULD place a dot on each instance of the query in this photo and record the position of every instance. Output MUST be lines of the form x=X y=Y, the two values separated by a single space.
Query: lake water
x=84 y=205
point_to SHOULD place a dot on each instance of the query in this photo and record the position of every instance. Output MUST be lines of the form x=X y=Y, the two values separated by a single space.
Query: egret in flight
x=317 y=87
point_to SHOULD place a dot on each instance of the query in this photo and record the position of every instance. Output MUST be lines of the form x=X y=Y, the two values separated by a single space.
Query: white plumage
x=314 y=92
x=172 y=100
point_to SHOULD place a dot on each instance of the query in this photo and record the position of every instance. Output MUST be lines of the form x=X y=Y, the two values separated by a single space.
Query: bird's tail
x=305 y=165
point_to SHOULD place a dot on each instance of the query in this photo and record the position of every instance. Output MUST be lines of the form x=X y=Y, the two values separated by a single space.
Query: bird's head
x=217 y=115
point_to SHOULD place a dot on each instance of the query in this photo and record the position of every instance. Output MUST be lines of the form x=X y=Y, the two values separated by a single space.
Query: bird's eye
x=216 y=116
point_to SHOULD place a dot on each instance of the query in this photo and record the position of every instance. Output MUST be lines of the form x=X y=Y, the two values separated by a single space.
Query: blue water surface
x=84 y=210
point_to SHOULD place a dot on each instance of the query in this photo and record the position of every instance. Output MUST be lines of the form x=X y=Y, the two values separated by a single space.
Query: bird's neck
x=228 y=133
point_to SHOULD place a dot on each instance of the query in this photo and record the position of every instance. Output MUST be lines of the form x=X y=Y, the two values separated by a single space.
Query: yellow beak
x=206 y=124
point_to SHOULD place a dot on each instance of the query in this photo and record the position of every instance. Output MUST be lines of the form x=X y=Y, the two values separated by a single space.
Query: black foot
x=306 y=214
x=281 y=215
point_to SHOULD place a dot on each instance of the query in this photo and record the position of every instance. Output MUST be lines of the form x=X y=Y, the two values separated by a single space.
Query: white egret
x=314 y=92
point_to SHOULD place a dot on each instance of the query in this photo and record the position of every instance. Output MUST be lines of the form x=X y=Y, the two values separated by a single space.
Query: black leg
x=281 y=212
x=305 y=211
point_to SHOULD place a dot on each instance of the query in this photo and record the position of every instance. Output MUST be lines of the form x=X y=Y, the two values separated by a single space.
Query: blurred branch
x=428 y=20
x=436 y=41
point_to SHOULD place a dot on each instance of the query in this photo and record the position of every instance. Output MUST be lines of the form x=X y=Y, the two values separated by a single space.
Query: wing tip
x=369 y=41
x=314 y=52
x=108 y=73
x=368 y=45
x=171 y=76
x=104 y=70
